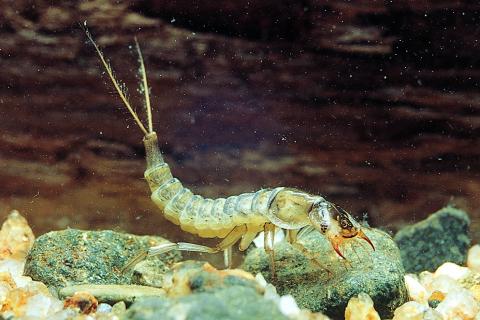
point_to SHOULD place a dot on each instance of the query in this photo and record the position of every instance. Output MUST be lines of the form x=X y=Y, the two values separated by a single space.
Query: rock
x=24 y=303
x=416 y=291
x=329 y=287
x=475 y=291
x=235 y=303
x=193 y=276
x=70 y=257
x=459 y=304
x=41 y=306
x=413 y=310
x=435 y=298
x=440 y=238
x=452 y=270
x=443 y=284
x=16 y=237
x=473 y=258
x=104 y=308
x=361 y=308
x=84 y=301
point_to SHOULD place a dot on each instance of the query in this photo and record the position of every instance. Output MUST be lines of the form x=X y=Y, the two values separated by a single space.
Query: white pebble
x=459 y=304
x=261 y=280
x=288 y=306
x=425 y=278
x=416 y=291
x=473 y=259
x=65 y=314
x=444 y=284
x=452 y=270
x=271 y=293
x=361 y=308
x=413 y=310
x=41 y=306
x=104 y=308
x=15 y=267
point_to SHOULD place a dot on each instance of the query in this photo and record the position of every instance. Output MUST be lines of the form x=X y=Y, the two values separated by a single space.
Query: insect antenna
x=119 y=87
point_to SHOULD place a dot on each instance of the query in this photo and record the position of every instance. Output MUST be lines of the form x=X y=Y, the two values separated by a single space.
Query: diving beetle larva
x=236 y=218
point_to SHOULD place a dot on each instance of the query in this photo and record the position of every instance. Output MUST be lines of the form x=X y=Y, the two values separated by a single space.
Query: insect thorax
x=291 y=206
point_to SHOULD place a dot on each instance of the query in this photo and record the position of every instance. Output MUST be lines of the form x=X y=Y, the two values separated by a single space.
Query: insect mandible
x=236 y=218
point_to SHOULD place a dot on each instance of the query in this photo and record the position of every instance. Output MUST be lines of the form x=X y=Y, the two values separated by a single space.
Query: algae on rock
x=71 y=257
x=329 y=286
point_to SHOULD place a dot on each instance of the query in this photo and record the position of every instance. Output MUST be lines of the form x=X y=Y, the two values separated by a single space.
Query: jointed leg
x=227 y=257
x=268 y=242
x=226 y=243
x=313 y=259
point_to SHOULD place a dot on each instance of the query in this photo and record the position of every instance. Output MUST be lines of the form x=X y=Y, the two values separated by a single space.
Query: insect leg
x=227 y=258
x=247 y=239
x=226 y=243
x=268 y=241
x=313 y=259
x=292 y=235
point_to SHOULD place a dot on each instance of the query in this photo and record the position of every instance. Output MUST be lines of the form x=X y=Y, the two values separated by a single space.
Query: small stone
x=82 y=300
x=459 y=304
x=233 y=303
x=443 y=284
x=435 y=298
x=149 y=273
x=442 y=237
x=104 y=308
x=119 y=308
x=42 y=306
x=452 y=270
x=65 y=314
x=473 y=258
x=4 y=290
x=413 y=310
x=425 y=278
x=288 y=306
x=16 y=237
x=416 y=291
x=475 y=290
x=360 y=308
x=308 y=315
x=14 y=268
x=15 y=301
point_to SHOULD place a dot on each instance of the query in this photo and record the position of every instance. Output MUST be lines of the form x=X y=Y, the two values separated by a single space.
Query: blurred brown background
x=375 y=105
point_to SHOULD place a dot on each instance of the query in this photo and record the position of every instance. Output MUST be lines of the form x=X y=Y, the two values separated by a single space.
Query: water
x=376 y=107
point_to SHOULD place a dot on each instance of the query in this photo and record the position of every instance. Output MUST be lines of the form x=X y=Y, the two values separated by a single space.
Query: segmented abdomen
x=203 y=216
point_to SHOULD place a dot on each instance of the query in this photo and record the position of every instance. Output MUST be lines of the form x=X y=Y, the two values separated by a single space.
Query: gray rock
x=234 y=303
x=328 y=287
x=71 y=257
x=442 y=237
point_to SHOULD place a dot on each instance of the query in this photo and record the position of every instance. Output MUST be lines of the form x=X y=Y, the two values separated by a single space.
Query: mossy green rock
x=71 y=257
x=442 y=237
x=328 y=284
x=233 y=303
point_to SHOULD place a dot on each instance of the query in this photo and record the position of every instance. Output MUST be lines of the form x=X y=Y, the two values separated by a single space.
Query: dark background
x=375 y=105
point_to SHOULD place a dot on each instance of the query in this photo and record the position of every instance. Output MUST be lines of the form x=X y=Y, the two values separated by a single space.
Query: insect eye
x=344 y=224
